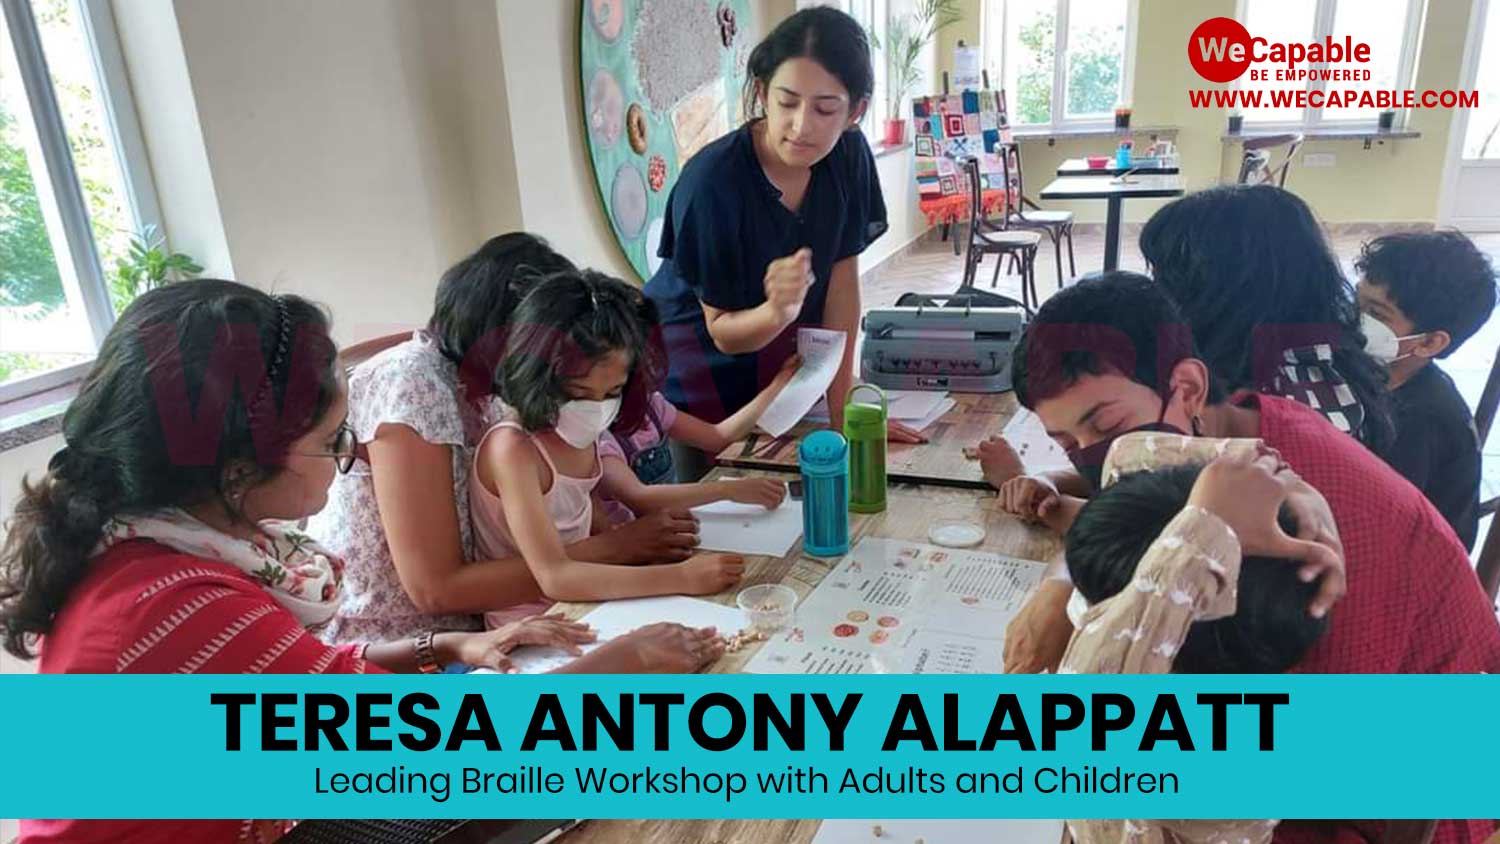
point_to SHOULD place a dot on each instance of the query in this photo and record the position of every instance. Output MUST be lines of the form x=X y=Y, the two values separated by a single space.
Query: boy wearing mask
x=1422 y=295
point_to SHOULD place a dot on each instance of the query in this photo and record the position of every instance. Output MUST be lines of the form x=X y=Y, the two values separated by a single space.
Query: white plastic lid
x=955 y=534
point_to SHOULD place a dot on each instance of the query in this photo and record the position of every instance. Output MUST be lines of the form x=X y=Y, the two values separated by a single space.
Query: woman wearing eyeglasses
x=157 y=541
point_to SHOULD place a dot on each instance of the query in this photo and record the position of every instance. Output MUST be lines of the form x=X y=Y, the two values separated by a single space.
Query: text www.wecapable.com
x=1303 y=98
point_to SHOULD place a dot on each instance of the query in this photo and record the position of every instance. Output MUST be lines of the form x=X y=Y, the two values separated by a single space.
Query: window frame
x=876 y=12
x=1323 y=17
x=1058 y=122
x=102 y=37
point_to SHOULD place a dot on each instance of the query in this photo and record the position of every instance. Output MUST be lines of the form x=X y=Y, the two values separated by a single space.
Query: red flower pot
x=895 y=132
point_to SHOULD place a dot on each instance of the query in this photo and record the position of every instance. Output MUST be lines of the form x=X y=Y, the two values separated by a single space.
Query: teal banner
x=626 y=746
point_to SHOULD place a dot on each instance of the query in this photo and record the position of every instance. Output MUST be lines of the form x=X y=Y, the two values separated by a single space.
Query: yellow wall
x=966 y=30
x=1394 y=181
x=348 y=150
x=1400 y=180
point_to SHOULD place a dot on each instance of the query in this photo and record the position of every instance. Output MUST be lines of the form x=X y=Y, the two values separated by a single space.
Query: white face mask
x=1380 y=341
x=580 y=422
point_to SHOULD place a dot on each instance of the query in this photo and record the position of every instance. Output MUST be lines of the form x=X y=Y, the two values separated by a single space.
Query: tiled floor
x=933 y=268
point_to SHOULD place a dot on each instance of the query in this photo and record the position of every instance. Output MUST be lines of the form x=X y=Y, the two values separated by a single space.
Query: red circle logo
x=1219 y=49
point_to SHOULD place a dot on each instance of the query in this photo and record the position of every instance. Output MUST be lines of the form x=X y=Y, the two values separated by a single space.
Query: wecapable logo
x=1222 y=50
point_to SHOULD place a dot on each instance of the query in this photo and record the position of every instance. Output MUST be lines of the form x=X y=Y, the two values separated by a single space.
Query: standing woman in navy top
x=764 y=227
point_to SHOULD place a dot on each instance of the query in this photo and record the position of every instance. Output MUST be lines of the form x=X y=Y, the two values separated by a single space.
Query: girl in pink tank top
x=577 y=357
x=568 y=502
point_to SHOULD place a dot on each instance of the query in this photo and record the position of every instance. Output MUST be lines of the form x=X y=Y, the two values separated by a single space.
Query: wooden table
x=940 y=461
x=910 y=508
x=1115 y=193
x=1080 y=167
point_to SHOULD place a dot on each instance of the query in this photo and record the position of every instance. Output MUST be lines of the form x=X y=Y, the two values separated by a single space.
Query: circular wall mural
x=627 y=201
x=661 y=78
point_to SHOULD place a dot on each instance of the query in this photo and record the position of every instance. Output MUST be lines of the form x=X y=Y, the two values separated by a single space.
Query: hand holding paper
x=822 y=352
x=765 y=492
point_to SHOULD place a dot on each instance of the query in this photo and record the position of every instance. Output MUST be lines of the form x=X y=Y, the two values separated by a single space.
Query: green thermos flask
x=864 y=428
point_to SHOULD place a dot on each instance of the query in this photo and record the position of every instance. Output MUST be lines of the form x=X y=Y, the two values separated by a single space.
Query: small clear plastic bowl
x=956 y=533
x=769 y=605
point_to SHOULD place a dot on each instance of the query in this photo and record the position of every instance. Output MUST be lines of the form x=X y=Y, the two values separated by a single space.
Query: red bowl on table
x=1098 y=162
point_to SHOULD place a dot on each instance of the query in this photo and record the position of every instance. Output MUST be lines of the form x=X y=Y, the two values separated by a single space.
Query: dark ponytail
x=193 y=378
x=475 y=298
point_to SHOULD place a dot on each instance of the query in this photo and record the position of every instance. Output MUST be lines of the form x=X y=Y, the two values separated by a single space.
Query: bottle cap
x=866 y=420
x=863 y=418
x=824 y=453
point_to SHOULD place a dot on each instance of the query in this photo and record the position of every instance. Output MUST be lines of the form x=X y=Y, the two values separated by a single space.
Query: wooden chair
x=352 y=356
x=987 y=238
x=1255 y=166
x=1487 y=566
x=1026 y=214
x=1489 y=401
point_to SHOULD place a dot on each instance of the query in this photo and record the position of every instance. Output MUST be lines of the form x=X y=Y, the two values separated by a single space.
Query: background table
x=1080 y=167
x=1089 y=187
x=909 y=510
x=940 y=461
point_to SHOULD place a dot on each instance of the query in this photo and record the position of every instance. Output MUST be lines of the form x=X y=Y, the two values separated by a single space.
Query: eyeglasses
x=345 y=449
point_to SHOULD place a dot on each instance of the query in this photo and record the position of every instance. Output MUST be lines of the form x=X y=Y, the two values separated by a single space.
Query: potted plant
x=146 y=266
x=906 y=37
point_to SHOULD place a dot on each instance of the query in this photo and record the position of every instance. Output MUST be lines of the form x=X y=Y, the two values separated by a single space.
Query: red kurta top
x=146 y=609
x=1414 y=605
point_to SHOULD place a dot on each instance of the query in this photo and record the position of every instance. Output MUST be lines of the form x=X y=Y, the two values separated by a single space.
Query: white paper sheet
x=749 y=528
x=1028 y=436
x=616 y=618
x=895 y=607
x=934 y=415
x=966 y=73
x=822 y=351
x=901 y=405
x=939 y=832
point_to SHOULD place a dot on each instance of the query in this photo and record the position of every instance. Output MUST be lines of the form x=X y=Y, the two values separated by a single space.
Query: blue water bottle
x=824 y=459
x=1122 y=155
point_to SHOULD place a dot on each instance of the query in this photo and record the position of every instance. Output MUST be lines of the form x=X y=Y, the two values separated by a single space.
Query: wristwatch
x=427 y=661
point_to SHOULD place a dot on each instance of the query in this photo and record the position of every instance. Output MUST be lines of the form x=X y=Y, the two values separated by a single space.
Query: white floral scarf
x=299 y=574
